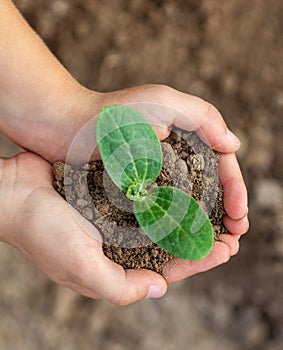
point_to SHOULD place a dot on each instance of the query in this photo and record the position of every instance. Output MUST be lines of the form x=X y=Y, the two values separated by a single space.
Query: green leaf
x=129 y=148
x=176 y=222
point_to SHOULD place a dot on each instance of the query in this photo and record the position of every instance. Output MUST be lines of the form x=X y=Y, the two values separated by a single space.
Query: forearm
x=33 y=84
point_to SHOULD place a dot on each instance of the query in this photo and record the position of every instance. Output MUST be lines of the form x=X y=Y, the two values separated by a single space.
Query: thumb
x=123 y=287
x=94 y=275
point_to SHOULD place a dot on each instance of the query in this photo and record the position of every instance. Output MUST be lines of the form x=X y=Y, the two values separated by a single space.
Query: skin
x=42 y=108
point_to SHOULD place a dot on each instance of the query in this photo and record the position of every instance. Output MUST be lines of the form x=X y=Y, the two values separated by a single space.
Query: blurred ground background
x=230 y=53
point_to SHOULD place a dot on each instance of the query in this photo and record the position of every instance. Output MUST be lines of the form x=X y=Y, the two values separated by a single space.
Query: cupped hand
x=37 y=221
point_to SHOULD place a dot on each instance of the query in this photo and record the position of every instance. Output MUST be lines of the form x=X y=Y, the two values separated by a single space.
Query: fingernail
x=154 y=292
x=232 y=138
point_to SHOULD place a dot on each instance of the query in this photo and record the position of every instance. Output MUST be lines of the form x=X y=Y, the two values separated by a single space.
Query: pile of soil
x=188 y=164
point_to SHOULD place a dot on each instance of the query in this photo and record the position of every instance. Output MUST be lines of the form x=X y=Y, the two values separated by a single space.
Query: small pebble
x=68 y=181
x=88 y=213
x=81 y=203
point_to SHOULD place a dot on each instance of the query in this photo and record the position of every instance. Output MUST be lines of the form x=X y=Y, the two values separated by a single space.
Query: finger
x=80 y=264
x=95 y=275
x=153 y=291
x=178 y=269
x=236 y=227
x=90 y=273
x=235 y=193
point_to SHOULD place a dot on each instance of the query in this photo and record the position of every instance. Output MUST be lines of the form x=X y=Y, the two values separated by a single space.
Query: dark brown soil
x=188 y=164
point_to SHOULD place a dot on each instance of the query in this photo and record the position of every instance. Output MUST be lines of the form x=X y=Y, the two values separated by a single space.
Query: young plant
x=132 y=156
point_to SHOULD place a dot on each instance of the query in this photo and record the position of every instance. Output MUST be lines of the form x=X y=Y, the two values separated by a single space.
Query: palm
x=63 y=249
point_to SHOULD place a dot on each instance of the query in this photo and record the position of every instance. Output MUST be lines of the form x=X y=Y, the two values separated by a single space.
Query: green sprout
x=132 y=156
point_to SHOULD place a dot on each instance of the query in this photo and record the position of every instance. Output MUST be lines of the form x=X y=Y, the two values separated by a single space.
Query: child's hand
x=37 y=221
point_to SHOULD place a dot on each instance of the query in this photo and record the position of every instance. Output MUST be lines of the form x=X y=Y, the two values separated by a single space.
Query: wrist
x=61 y=120
x=47 y=123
